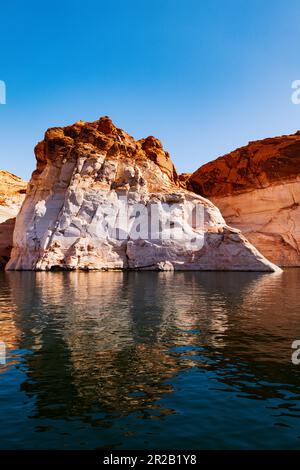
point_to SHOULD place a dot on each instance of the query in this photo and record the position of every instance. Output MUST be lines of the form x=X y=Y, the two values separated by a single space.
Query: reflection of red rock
x=257 y=189
x=12 y=193
x=69 y=219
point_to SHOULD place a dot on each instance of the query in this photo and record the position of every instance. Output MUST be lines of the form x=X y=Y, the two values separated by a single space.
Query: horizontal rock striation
x=257 y=189
x=88 y=175
x=12 y=194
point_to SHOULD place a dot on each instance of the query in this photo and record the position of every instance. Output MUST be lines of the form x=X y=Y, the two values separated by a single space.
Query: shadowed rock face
x=69 y=217
x=257 y=189
x=12 y=194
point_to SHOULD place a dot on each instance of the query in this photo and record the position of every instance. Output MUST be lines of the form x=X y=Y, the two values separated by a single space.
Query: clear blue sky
x=203 y=76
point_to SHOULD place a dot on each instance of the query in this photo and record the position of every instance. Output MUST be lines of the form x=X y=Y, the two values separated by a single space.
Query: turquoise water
x=149 y=360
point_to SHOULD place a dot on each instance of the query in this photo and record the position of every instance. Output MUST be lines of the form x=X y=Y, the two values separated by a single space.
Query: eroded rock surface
x=70 y=218
x=12 y=194
x=257 y=189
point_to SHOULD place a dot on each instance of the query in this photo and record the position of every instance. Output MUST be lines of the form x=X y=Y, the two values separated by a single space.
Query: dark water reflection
x=149 y=360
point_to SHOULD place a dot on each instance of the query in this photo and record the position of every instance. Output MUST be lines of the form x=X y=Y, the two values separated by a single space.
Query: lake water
x=149 y=360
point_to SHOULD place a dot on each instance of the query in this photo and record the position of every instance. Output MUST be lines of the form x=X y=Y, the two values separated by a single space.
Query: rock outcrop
x=257 y=189
x=88 y=176
x=12 y=194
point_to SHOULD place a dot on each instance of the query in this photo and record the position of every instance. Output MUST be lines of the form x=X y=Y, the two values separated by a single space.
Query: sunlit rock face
x=12 y=194
x=257 y=189
x=88 y=175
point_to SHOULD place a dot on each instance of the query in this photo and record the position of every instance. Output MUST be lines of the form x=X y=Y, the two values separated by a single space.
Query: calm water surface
x=149 y=360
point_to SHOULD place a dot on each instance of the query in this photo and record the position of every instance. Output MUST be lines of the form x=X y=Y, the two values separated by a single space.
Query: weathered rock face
x=87 y=175
x=12 y=194
x=257 y=189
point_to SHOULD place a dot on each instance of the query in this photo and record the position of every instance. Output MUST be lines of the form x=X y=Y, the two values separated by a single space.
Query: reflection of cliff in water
x=10 y=334
x=114 y=341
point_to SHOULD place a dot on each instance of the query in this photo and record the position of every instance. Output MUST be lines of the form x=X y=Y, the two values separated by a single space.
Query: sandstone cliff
x=257 y=189
x=12 y=194
x=70 y=217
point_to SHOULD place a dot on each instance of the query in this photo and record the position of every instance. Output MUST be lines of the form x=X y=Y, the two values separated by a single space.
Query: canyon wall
x=12 y=194
x=257 y=189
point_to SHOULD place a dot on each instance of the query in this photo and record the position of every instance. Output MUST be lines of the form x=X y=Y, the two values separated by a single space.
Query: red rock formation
x=106 y=137
x=69 y=219
x=184 y=179
x=257 y=165
x=257 y=189
x=12 y=193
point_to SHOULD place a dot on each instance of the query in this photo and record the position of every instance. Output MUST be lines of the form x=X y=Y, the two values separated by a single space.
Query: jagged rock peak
x=104 y=136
